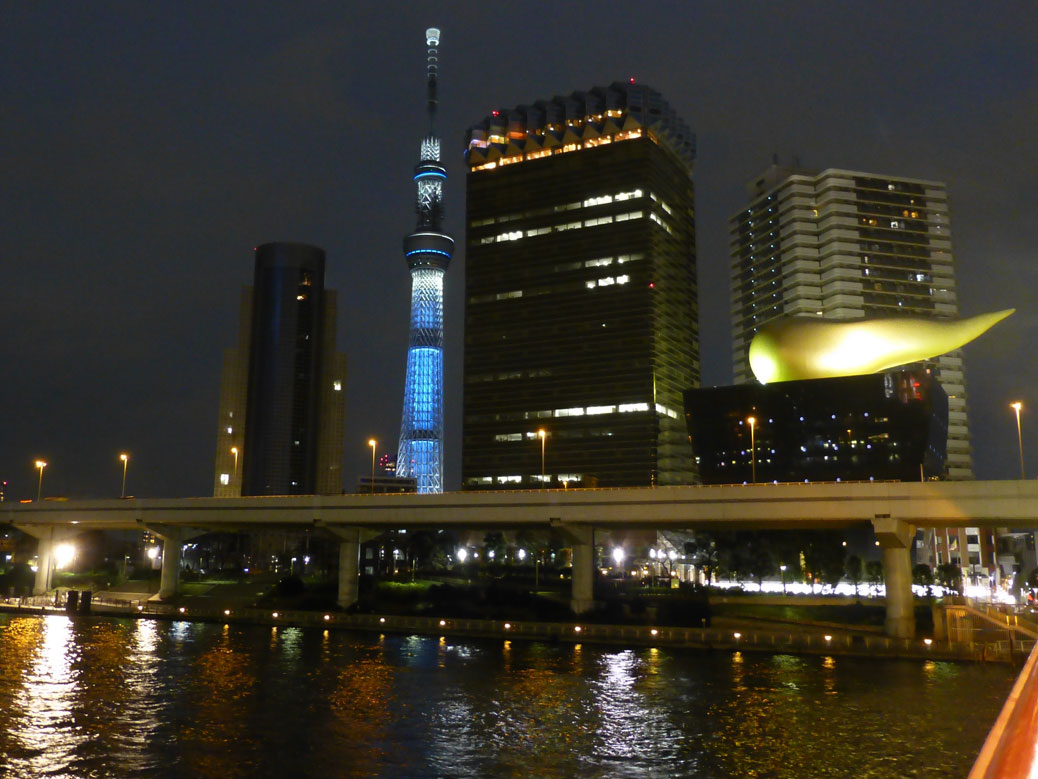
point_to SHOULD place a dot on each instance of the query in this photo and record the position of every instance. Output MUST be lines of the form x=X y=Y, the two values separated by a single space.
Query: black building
x=282 y=400
x=581 y=314
x=884 y=426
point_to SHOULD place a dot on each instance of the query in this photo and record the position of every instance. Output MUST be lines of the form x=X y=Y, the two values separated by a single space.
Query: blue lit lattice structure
x=428 y=253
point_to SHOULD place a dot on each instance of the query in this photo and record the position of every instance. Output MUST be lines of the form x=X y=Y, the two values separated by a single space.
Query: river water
x=106 y=697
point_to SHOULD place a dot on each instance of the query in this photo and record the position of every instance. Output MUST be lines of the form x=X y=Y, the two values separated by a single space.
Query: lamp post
x=753 y=450
x=40 y=464
x=782 y=573
x=372 y=443
x=126 y=461
x=234 y=451
x=1016 y=406
x=543 y=436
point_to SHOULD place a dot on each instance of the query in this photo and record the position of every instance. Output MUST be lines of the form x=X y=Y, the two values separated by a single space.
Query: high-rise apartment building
x=282 y=398
x=581 y=320
x=428 y=252
x=844 y=244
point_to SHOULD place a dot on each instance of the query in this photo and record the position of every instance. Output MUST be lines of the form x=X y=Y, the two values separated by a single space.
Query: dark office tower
x=581 y=316
x=282 y=402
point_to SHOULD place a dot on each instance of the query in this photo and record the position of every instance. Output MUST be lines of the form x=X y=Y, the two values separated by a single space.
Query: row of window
x=627 y=135
x=515 y=235
x=591 y=202
x=578 y=411
x=569 y=266
x=486 y=481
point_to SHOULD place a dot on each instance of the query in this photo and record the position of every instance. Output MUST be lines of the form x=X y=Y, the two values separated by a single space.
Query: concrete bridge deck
x=893 y=509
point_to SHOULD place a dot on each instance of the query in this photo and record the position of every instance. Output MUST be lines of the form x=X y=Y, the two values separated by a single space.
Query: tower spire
x=428 y=253
x=432 y=61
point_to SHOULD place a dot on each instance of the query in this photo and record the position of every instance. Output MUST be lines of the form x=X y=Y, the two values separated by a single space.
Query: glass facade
x=581 y=313
x=280 y=451
x=884 y=426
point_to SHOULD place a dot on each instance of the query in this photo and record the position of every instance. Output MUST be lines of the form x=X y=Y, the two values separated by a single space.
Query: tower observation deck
x=428 y=253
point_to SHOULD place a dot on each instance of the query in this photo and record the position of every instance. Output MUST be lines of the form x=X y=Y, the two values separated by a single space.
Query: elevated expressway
x=894 y=509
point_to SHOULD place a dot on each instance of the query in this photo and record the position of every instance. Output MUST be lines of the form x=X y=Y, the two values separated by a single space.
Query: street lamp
x=543 y=436
x=234 y=451
x=1016 y=406
x=126 y=460
x=753 y=450
x=372 y=442
x=782 y=573
x=40 y=464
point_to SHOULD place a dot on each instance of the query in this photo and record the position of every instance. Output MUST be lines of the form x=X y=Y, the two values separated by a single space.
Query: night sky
x=147 y=147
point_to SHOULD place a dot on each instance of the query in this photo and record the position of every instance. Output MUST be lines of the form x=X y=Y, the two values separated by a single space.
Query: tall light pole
x=543 y=436
x=372 y=443
x=234 y=451
x=126 y=460
x=40 y=464
x=753 y=450
x=1016 y=406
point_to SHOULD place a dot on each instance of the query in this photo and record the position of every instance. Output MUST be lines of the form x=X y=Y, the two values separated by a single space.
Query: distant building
x=581 y=315
x=883 y=426
x=282 y=407
x=384 y=485
x=842 y=244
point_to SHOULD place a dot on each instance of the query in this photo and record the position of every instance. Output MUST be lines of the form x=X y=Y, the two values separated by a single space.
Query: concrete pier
x=349 y=567
x=895 y=539
x=582 y=542
x=44 y=563
x=169 y=583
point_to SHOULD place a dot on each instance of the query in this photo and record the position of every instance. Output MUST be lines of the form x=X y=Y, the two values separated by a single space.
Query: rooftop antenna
x=432 y=59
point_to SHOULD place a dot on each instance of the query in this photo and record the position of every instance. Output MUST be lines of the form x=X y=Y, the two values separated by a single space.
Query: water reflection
x=45 y=732
x=105 y=697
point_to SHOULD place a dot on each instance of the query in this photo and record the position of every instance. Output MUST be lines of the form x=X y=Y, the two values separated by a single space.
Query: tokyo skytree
x=428 y=253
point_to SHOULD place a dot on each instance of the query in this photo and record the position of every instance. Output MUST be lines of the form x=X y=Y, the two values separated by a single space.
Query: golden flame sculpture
x=801 y=348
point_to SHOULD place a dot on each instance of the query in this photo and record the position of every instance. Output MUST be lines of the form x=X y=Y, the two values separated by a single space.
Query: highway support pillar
x=173 y=538
x=895 y=539
x=581 y=539
x=47 y=538
x=350 y=539
x=44 y=562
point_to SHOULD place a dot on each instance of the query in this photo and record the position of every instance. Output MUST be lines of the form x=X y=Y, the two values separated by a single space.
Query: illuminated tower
x=428 y=253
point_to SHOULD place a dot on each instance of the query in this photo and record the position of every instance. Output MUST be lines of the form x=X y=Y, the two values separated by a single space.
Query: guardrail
x=1011 y=748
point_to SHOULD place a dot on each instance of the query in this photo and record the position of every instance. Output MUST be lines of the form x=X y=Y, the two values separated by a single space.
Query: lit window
x=225 y=479
x=622 y=279
x=599 y=262
x=592 y=410
x=230 y=430
x=569 y=412
x=629 y=407
x=337 y=386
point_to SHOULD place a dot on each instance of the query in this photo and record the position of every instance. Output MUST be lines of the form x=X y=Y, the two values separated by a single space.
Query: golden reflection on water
x=361 y=707
x=217 y=740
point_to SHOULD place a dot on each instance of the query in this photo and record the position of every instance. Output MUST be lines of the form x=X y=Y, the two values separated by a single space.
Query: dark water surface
x=101 y=697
